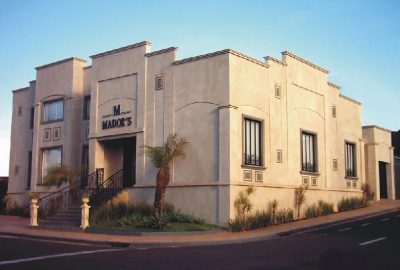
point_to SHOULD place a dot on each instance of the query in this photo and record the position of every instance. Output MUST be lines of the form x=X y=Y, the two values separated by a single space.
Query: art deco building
x=274 y=124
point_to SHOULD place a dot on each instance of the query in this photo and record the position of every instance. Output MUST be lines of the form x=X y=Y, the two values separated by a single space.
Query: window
x=252 y=142
x=51 y=158
x=333 y=111
x=19 y=112
x=308 y=152
x=279 y=156
x=31 y=120
x=277 y=91
x=28 y=179
x=86 y=108
x=350 y=159
x=53 y=110
x=159 y=82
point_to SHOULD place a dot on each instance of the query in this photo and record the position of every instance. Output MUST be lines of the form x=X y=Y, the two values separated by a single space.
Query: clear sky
x=357 y=41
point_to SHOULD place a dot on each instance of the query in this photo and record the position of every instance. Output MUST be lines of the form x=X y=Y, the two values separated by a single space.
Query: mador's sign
x=116 y=122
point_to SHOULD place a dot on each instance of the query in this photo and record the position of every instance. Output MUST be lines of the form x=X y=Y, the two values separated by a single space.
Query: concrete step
x=59 y=228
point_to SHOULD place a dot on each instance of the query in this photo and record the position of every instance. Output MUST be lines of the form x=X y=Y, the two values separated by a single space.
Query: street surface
x=372 y=243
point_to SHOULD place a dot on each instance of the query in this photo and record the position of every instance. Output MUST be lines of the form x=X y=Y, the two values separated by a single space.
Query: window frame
x=315 y=167
x=354 y=161
x=43 y=111
x=41 y=160
x=260 y=123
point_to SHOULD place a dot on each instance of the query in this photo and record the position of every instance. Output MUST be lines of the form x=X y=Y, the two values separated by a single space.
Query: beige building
x=274 y=124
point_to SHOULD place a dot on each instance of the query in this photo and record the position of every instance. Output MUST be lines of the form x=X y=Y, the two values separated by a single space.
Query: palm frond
x=161 y=156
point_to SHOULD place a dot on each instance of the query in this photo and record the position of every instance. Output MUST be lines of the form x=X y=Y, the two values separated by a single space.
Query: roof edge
x=166 y=50
x=377 y=127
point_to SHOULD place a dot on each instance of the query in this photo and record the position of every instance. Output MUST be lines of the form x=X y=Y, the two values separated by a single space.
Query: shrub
x=300 y=198
x=274 y=207
x=260 y=219
x=113 y=211
x=325 y=208
x=367 y=194
x=321 y=209
x=284 y=216
x=158 y=222
x=347 y=204
x=243 y=207
x=177 y=216
x=311 y=211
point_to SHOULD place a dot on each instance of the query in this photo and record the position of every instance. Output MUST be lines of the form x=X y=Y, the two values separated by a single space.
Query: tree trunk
x=162 y=182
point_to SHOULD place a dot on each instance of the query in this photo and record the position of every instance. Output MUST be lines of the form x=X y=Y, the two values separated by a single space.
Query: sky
x=357 y=41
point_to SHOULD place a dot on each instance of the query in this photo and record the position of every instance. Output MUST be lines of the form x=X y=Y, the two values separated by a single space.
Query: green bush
x=155 y=222
x=325 y=208
x=284 y=216
x=321 y=209
x=311 y=211
x=347 y=204
x=177 y=216
x=260 y=219
x=114 y=211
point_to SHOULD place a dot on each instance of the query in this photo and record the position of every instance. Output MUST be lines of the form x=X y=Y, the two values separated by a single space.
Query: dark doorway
x=383 y=180
x=129 y=162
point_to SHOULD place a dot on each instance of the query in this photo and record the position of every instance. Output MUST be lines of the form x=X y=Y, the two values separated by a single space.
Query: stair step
x=59 y=228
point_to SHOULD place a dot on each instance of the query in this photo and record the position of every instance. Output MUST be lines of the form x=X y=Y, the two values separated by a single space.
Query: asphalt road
x=368 y=244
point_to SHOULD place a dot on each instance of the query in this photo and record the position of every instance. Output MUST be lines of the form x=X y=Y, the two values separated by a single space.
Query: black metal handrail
x=106 y=190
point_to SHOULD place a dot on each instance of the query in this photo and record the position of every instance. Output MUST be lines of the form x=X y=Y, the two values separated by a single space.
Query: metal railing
x=60 y=199
x=105 y=190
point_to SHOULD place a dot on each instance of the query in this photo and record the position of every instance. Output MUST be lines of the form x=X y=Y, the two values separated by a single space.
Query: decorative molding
x=229 y=106
x=305 y=61
x=56 y=134
x=267 y=58
x=60 y=62
x=226 y=51
x=349 y=99
x=136 y=45
x=170 y=49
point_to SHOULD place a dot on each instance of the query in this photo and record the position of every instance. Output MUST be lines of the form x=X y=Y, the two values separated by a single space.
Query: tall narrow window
x=350 y=159
x=86 y=108
x=85 y=165
x=50 y=158
x=252 y=142
x=31 y=120
x=53 y=110
x=308 y=152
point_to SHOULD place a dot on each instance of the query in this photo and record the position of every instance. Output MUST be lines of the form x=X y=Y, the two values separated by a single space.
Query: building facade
x=274 y=124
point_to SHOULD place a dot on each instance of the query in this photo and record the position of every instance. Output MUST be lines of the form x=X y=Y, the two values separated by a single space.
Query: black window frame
x=350 y=159
x=250 y=158
x=309 y=152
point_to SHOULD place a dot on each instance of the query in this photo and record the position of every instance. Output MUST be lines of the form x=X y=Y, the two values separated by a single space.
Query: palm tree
x=161 y=156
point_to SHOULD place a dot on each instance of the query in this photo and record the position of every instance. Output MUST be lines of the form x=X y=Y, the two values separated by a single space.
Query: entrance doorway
x=129 y=161
x=120 y=154
x=383 y=180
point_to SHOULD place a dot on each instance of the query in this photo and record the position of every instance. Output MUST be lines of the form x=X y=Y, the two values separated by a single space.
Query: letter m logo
x=117 y=110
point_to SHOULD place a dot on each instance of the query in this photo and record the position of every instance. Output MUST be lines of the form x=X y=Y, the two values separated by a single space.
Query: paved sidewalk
x=16 y=226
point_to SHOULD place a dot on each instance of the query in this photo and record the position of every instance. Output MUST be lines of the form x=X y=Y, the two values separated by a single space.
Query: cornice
x=334 y=85
x=349 y=99
x=267 y=58
x=60 y=62
x=136 y=45
x=222 y=52
x=20 y=89
x=170 y=49
x=305 y=61
x=377 y=127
